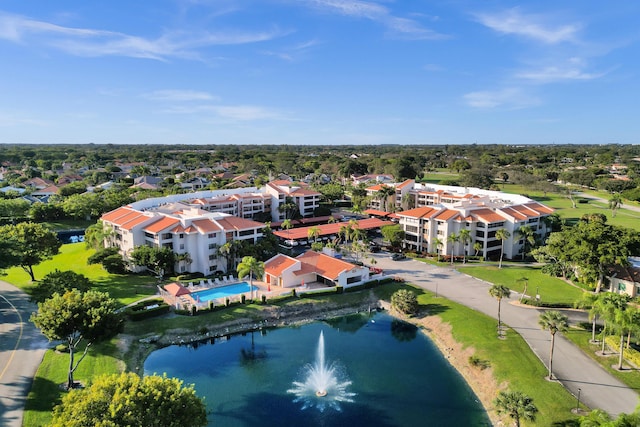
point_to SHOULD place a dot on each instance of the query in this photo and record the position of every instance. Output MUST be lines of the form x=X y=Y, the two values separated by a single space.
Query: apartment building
x=435 y=212
x=199 y=223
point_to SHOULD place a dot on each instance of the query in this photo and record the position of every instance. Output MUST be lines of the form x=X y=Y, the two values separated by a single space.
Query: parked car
x=397 y=257
x=374 y=248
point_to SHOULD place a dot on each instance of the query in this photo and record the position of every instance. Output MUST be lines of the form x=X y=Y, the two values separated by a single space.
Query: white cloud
x=510 y=98
x=232 y=112
x=178 y=95
x=530 y=26
x=405 y=27
x=556 y=74
x=94 y=43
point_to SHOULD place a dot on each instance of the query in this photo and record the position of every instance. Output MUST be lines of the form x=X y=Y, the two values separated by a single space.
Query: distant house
x=37 y=183
x=625 y=280
x=147 y=182
x=11 y=188
x=46 y=192
x=68 y=179
x=312 y=267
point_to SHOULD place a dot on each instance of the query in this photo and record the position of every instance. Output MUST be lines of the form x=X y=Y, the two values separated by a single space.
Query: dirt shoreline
x=480 y=380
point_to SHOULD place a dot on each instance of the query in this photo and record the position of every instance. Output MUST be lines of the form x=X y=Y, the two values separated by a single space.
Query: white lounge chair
x=218 y=282
x=202 y=283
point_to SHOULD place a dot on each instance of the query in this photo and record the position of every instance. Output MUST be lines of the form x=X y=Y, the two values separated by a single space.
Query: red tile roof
x=405 y=183
x=446 y=214
x=161 y=225
x=542 y=209
x=276 y=265
x=206 y=226
x=235 y=223
x=487 y=215
x=117 y=213
x=325 y=265
x=422 y=212
x=328 y=229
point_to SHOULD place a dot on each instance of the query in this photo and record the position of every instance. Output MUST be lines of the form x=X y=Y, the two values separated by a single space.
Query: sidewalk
x=22 y=348
x=574 y=369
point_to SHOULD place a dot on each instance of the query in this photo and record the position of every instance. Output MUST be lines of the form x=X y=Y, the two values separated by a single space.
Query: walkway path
x=575 y=370
x=22 y=348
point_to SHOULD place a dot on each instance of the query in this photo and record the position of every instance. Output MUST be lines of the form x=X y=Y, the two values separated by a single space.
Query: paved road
x=606 y=202
x=574 y=369
x=22 y=347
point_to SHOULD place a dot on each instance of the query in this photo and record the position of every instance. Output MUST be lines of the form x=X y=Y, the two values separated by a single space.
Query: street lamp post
x=578 y=402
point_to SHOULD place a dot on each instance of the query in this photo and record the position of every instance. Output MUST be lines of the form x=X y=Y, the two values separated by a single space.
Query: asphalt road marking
x=13 y=352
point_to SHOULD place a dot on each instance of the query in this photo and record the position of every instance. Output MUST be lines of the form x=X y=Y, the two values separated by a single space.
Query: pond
x=386 y=373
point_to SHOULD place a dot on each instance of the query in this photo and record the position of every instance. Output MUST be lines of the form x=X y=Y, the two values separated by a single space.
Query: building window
x=181 y=235
x=166 y=236
x=212 y=235
x=181 y=245
x=212 y=245
x=212 y=257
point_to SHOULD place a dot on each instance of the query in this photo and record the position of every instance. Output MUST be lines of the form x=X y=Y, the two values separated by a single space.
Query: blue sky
x=319 y=72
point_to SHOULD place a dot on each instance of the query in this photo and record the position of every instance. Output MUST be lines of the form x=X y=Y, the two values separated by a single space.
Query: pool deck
x=187 y=300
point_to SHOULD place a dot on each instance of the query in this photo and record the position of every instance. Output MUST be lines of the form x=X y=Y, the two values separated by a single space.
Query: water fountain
x=325 y=385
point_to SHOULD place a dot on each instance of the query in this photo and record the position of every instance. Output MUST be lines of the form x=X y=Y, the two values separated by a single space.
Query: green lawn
x=564 y=208
x=551 y=289
x=124 y=288
x=68 y=224
x=46 y=391
x=511 y=359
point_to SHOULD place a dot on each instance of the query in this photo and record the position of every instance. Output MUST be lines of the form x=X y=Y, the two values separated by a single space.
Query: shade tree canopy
x=59 y=282
x=78 y=318
x=128 y=400
x=27 y=244
x=590 y=248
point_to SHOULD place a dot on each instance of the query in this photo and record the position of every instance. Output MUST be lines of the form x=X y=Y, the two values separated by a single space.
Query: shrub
x=114 y=264
x=101 y=254
x=385 y=280
x=136 y=315
x=62 y=348
x=479 y=363
x=404 y=301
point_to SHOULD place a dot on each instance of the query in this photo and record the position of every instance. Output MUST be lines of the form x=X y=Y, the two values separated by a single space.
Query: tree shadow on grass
x=44 y=395
x=127 y=286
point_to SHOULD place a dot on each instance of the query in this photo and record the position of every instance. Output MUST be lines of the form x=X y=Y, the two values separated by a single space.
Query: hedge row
x=136 y=315
x=630 y=354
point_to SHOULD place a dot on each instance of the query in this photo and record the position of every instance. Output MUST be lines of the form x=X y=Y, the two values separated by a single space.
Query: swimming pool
x=222 y=292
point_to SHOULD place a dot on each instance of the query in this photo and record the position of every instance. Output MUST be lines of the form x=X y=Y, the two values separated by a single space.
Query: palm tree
x=465 y=238
x=499 y=292
x=615 y=202
x=554 y=321
x=529 y=236
x=313 y=233
x=437 y=242
x=249 y=265
x=453 y=239
x=287 y=225
x=608 y=305
x=383 y=195
x=502 y=234
x=623 y=324
x=516 y=405
x=589 y=300
x=477 y=246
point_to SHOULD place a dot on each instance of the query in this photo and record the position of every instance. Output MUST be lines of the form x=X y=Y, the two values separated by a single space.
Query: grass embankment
x=551 y=289
x=512 y=361
x=124 y=288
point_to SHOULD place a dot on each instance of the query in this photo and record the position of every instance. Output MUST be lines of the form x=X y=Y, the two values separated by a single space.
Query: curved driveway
x=22 y=347
x=574 y=369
